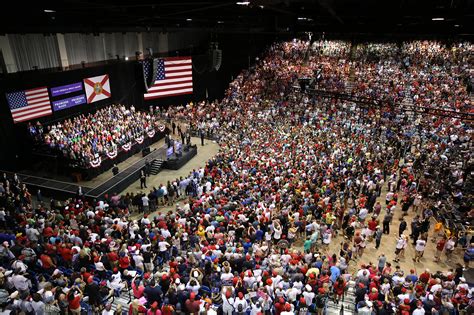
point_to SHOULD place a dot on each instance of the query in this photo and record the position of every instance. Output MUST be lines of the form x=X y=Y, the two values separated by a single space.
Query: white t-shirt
x=277 y=234
x=226 y=276
x=449 y=244
x=308 y=297
x=184 y=236
x=327 y=238
x=268 y=236
x=400 y=243
x=420 y=245
x=163 y=246
x=138 y=260
x=419 y=311
x=145 y=201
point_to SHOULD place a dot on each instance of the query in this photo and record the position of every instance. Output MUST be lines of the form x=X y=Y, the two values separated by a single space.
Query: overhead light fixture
x=456 y=25
x=126 y=58
x=189 y=20
x=49 y=11
x=220 y=22
x=438 y=19
x=302 y=19
x=243 y=3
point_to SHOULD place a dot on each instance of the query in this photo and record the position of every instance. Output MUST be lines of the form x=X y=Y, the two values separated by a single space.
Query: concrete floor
x=204 y=153
x=371 y=253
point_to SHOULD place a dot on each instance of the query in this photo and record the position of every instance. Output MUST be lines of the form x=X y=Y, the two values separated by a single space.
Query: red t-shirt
x=66 y=253
x=48 y=232
x=75 y=303
x=124 y=262
x=46 y=261
x=372 y=225
x=113 y=256
x=440 y=244
x=192 y=306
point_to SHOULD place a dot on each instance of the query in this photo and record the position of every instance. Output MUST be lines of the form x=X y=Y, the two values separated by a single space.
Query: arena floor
x=371 y=254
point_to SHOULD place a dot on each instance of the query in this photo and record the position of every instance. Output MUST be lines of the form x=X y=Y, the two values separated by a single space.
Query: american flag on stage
x=174 y=76
x=29 y=104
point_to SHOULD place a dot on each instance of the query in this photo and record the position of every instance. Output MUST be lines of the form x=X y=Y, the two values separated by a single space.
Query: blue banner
x=69 y=102
x=66 y=89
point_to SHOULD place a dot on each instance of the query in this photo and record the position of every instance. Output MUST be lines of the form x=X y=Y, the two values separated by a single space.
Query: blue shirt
x=335 y=273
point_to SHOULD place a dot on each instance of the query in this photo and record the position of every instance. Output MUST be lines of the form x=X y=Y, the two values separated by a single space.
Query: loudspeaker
x=146 y=151
x=216 y=59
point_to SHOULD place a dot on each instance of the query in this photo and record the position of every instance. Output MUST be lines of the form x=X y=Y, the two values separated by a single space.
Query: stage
x=62 y=187
x=176 y=162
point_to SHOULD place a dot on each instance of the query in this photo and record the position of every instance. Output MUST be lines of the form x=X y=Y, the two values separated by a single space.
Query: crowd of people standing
x=255 y=233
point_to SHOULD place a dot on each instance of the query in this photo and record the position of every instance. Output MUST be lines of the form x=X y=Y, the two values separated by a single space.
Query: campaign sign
x=69 y=102
x=66 y=89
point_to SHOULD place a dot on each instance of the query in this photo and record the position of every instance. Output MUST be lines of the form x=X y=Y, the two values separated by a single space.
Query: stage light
x=438 y=19
x=49 y=11
x=189 y=20
x=126 y=58
x=220 y=22
x=243 y=3
x=456 y=25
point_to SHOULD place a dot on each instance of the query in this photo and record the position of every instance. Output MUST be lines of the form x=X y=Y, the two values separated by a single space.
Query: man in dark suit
x=202 y=137
x=142 y=179
x=115 y=169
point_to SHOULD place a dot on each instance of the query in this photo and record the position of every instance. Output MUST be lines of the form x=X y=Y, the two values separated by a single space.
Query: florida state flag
x=97 y=88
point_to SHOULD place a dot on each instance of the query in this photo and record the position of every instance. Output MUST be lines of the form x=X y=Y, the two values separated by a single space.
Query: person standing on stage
x=183 y=136
x=168 y=140
x=202 y=136
x=142 y=179
x=188 y=138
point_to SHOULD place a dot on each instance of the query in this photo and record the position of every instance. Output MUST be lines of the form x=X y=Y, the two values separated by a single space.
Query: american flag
x=29 y=104
x=174 y=76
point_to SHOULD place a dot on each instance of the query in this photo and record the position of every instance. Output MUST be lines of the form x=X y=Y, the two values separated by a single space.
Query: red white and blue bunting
x=112 y=154
x=139 y=139
x=151 y=133
x=96 y=162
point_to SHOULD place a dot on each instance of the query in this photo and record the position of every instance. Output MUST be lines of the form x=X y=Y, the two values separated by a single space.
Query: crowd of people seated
x=254 y=233
x=85 y=137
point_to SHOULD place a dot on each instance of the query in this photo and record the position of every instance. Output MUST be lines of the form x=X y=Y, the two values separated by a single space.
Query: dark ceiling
x=259 y=16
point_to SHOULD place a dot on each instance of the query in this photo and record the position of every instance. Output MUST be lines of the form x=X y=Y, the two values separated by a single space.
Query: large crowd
x=254 y=233
x=85 y=137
